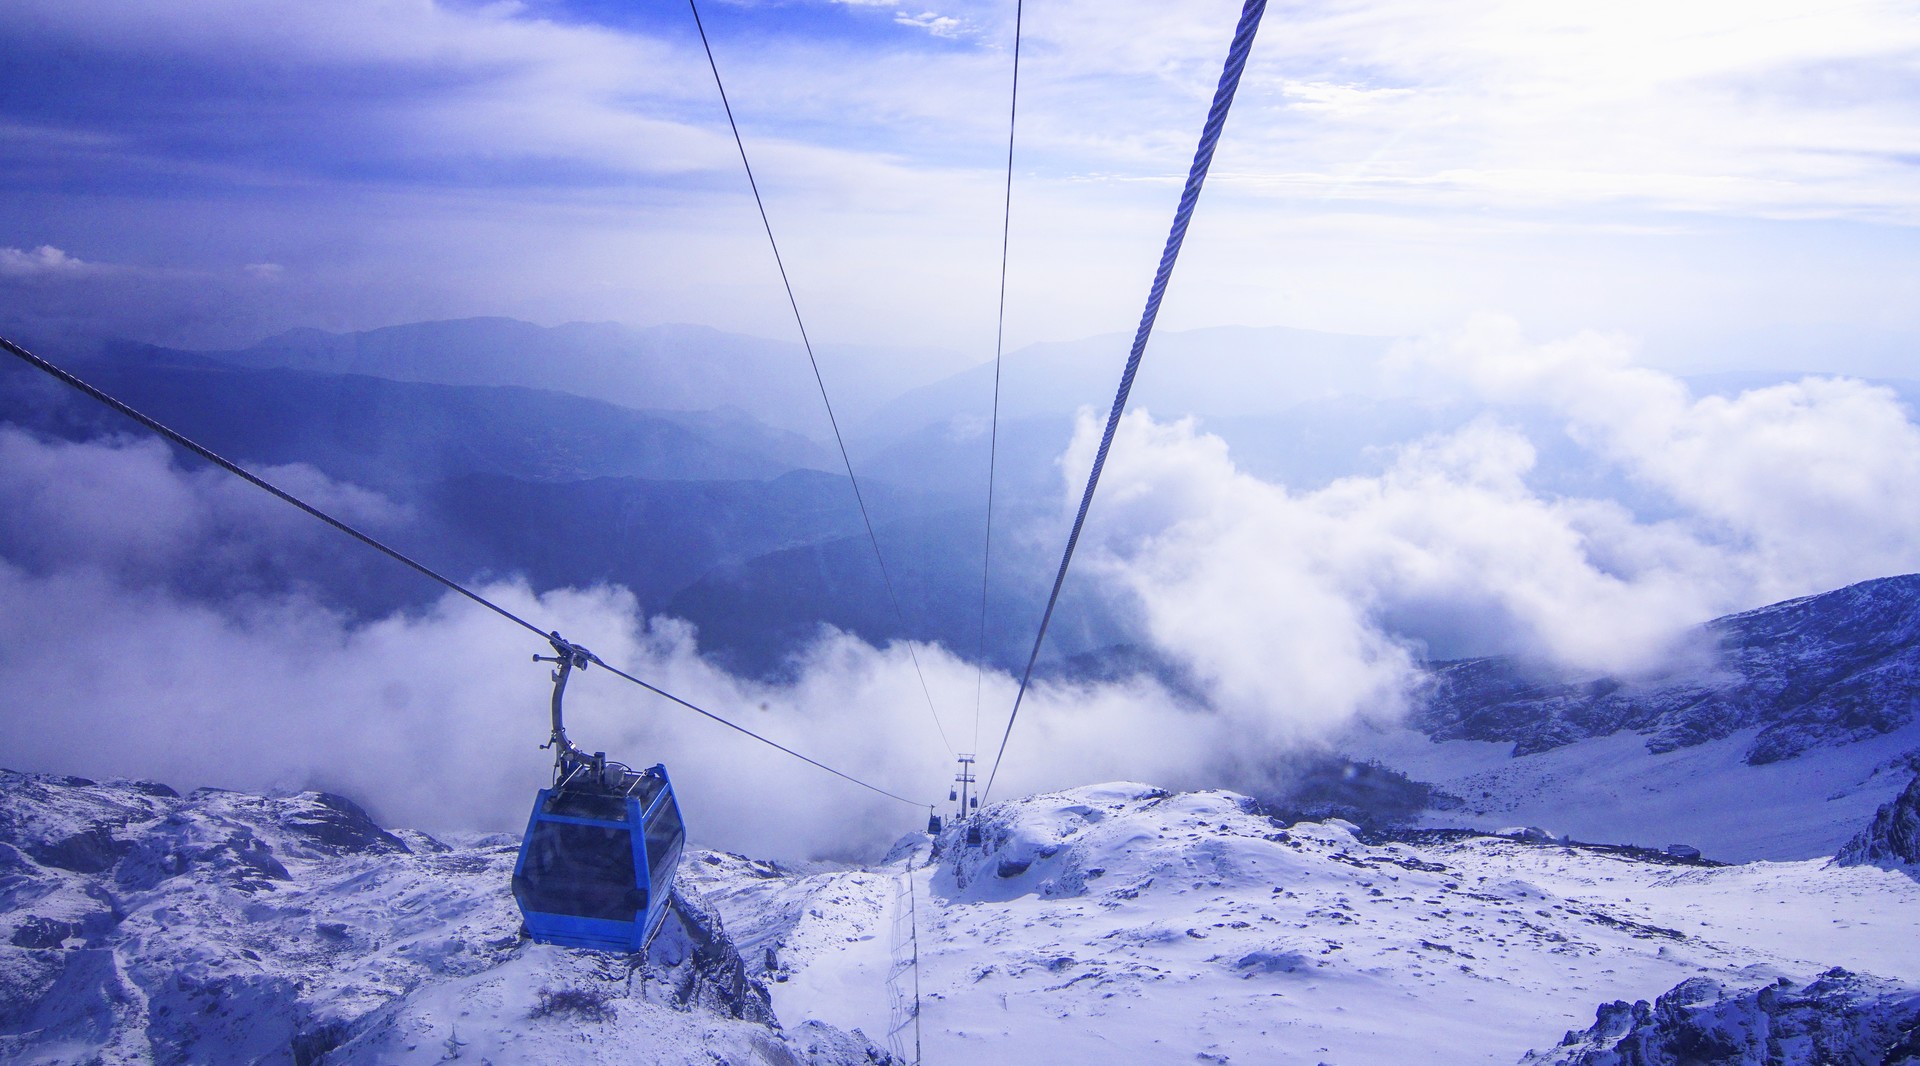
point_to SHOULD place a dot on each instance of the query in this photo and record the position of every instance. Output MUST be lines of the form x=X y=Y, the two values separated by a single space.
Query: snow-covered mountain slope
x=1613 y=790
x=1809 y=673
x=1776 y=739
x=143 y=926
x=1120 y=923
x=787 y=921
x=1893 y=838
x=1839 y=1018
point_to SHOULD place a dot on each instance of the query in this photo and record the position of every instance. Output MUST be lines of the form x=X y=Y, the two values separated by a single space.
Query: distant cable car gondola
x=596 y=865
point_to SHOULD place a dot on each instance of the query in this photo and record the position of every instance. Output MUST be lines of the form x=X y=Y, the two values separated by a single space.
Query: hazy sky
x=1732 y=183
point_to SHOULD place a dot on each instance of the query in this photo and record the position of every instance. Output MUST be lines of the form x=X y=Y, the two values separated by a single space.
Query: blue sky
x=1731 y=184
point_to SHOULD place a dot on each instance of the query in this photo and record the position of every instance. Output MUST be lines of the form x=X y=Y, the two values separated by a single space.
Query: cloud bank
x=1297 y=612
x=1320 y=600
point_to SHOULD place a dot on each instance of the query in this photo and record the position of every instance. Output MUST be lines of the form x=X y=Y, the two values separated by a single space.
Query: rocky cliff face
x=1807 y=673
x=1839 y=1018
x=139 y=925
x=1893 y=838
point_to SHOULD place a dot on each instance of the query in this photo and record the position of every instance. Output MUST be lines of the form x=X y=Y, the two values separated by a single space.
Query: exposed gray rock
x=1893 y=838
x=337 y=825
x=702 y=965
x=1841 y=1019
x=1813 y=672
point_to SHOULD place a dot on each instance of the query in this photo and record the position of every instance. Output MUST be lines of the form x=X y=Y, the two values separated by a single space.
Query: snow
x=1121 y=923
x=226 y=928
x=1111 y=923
x=1613 y=790
x=837 y=914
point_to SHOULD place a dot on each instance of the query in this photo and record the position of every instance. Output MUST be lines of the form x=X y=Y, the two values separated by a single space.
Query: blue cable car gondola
x=596 y=865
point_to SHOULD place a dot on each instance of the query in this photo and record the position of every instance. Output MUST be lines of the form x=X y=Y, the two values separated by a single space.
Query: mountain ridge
x=1819 y=670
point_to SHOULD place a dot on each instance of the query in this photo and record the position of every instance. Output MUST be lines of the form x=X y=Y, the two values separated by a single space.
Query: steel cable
x=886 y=579
x=1196 y=177
x=999 y=343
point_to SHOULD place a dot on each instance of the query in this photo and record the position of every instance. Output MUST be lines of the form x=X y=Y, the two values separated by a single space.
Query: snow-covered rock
x=1776 y=735
x=1839 y=1018
x=1893 y=837
x=138 y=925
x=1814 y=672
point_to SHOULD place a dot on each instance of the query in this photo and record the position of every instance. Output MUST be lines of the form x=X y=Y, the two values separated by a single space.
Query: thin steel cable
x=617 y=672
x=999 y=344
x=237 y=470
x=1196 y=177
x=859 y=498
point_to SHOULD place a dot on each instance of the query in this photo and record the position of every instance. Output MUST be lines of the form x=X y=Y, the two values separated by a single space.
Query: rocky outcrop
x=1839 y=1018
x=138 y=925
x=1808 y=673
x=1893 y=838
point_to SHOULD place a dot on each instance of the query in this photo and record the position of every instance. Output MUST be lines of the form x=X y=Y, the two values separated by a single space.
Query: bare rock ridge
x=1813 y=672
x=1893 y=838
x=139 y=925
x=1838 y=1018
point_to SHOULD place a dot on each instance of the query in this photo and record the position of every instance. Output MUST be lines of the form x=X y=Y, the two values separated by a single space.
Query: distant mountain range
x=673 y=368
x=691 y=465
x=695 y=466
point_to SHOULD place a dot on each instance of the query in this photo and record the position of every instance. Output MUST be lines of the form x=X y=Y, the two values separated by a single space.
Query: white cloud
x=120 y=507
x=1812 y=478
x=1336 y=97
x=44 y=261
x=456 y=130
x=1302 y=609
x=937 y=24
x=434 y=717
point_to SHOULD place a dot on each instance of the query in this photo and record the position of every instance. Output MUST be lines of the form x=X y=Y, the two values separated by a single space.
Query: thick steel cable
x=885 y=578
x=244 y=474
x=999 y=344
x=1196 y=177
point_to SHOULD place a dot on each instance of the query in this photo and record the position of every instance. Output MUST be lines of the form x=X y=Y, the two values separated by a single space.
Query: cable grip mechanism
x=567 y=657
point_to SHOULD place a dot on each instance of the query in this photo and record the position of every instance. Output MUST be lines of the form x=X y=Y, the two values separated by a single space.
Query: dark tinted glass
x=585 y=803
x=584 y=870
x=665 y=834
